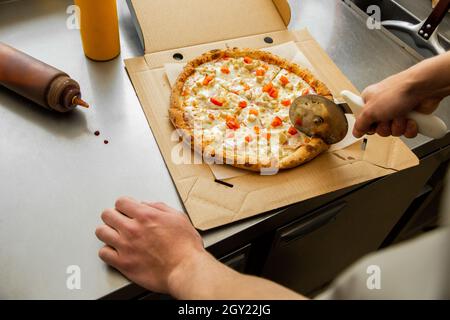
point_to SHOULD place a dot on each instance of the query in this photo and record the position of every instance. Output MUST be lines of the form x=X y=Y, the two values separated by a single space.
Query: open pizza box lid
x=172 y=24
x=193 y=27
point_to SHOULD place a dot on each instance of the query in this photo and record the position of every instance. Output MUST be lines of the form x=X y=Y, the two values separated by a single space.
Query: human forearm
x=203 y=277
x=430 y=79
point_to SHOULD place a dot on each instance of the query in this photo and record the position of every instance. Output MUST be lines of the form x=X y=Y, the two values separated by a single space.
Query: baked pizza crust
x=301 y=155
x=304 y=153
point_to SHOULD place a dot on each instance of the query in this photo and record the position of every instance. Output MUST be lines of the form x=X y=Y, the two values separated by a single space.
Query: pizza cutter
x=318 y=116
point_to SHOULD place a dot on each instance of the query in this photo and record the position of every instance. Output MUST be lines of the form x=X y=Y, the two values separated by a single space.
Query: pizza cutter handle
x=428 y=124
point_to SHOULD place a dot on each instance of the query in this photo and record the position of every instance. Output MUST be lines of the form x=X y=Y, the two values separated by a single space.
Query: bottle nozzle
x=77 y=101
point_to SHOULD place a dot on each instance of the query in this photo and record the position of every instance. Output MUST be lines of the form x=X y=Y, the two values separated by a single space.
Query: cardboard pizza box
x=172 y=29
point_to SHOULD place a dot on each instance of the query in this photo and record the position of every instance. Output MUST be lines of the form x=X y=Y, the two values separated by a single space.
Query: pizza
x=233 y=107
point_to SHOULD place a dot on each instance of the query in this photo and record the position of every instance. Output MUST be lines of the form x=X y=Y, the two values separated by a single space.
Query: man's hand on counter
x=420 y=88
x=147 y=242
x=156 y=247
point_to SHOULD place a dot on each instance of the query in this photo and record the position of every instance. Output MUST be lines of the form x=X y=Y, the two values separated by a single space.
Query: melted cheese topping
x=242 y=108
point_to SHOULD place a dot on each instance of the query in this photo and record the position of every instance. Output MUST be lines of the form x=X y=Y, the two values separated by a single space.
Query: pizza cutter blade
x=320 y=117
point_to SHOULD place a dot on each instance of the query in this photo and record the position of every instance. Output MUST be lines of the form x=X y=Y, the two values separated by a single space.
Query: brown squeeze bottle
x=47 y=86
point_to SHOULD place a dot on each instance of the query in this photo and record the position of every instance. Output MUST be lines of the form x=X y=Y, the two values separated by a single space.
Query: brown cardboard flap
x=157 y=59
x=210 y=204
x=170 y=24
x=284 y=10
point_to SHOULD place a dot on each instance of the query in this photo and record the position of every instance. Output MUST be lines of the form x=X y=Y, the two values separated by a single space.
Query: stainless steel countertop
x=56 y=176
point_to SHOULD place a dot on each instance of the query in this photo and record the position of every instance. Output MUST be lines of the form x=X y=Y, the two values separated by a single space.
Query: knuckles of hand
x=126 y=264
x=133 y=231
x=159 y=205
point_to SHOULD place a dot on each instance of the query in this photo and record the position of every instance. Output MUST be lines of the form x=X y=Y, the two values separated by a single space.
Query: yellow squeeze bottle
x=99 y=28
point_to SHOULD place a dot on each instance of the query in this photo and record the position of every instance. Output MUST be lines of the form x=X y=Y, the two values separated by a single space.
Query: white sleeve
x=416 y=269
